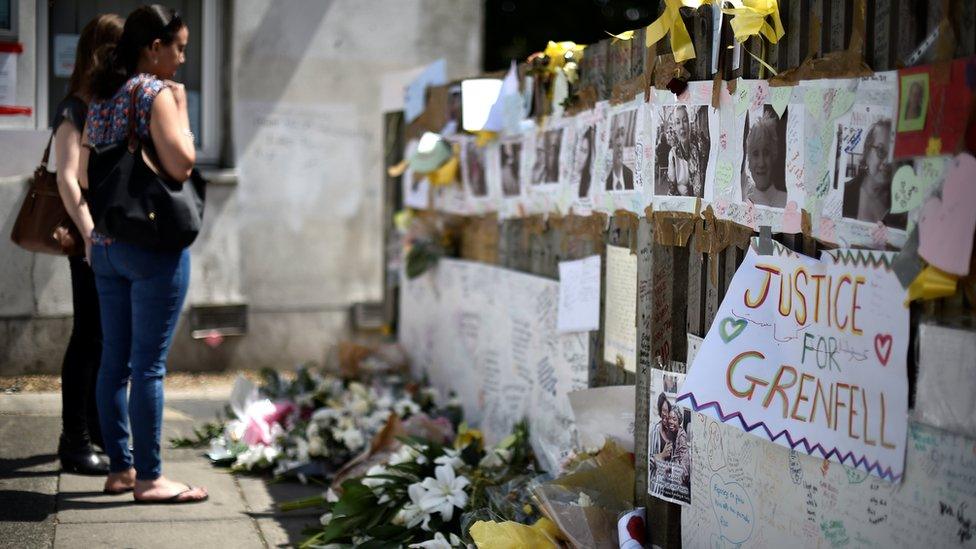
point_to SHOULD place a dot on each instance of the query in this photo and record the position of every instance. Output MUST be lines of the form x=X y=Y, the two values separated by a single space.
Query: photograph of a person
x=681 y=150
x=583 y=161
x=864 y=166
x=510 y=153
x=474 y=169
x=764 y=158
x=669 y=450
x=545 y=168
x=913 y=101
x=623 y=130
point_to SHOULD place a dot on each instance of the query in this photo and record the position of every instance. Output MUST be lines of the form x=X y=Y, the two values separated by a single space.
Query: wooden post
x=393 y=128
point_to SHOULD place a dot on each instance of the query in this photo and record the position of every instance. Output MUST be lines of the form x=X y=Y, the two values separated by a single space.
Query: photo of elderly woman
x=682 y=146
x=764 y=158
x=867 y=173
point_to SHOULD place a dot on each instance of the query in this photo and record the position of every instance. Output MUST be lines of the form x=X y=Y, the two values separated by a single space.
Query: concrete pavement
x=42 y=507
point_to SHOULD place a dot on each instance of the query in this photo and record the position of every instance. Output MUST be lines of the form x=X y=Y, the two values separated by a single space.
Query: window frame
x=211 y=98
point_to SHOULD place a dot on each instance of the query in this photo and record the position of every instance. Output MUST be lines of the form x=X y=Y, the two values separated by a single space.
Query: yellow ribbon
x=624 y=36
x=557 y=53
x=483 y=137
x=932 y=283
x=670 y=22
x=749 y=18
x=446 y=174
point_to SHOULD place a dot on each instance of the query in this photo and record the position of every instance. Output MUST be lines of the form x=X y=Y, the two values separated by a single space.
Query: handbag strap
x=132 y=136
x=47 y=150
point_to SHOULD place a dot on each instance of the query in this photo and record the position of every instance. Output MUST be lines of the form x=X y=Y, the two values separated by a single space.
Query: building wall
x=298 y=237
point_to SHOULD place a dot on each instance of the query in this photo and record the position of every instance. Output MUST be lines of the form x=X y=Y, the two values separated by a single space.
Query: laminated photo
x=509 y=163
x=621 y=172
x=763 y=176
x=861 y=167
x=473 y=172
x=669 y=466
x=618 y=180
x=682 y=147
x=546 y=164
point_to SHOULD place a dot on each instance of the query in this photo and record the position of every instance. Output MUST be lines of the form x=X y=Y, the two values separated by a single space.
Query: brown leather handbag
x=43 y=225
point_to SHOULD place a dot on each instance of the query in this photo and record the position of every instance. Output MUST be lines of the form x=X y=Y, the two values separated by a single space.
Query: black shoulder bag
x=133 y=200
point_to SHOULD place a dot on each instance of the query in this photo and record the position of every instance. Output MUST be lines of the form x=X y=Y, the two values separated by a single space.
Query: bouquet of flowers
x=427 y=492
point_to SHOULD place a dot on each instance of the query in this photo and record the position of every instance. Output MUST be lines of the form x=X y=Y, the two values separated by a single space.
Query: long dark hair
x=114 y=64
x=103 y=30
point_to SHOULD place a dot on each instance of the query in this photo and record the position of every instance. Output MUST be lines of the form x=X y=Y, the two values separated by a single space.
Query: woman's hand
x=88 y=249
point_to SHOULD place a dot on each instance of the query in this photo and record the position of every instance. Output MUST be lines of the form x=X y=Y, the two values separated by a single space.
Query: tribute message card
x=811 y=355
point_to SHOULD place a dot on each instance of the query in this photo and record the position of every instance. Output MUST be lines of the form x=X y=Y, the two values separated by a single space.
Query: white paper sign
x=65 y=46
x=620 y=327
x=811 y=355
x=579 y=295
x=8 y=79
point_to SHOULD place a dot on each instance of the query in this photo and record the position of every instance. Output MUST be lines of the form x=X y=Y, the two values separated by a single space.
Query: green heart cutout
x=737 y=327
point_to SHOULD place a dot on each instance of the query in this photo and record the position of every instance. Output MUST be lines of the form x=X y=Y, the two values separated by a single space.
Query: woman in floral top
x=140 y=290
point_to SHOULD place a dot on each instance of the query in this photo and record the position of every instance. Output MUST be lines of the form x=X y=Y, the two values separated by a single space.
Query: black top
x=72 y=109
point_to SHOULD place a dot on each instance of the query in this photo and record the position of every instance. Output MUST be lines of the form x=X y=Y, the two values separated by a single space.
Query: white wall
x=300 y=237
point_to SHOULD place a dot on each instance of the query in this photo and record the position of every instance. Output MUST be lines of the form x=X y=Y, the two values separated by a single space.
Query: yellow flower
x=466 y=437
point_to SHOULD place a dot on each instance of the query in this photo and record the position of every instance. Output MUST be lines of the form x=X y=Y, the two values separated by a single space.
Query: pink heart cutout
x=882 y=348
x=946 y=224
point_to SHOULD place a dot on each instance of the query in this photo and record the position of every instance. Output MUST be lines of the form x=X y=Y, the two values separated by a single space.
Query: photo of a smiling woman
x=764 y=158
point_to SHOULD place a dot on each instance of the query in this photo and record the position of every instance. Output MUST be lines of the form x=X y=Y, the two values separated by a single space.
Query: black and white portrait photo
x=764 y=158
x=474 y=169
x=681 y=150
x=583 y=160
x=545 y=167
x=622 y=159
x=510 y=155
x=863 y=167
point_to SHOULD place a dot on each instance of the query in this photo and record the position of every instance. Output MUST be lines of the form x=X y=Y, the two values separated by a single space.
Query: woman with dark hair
x=140 y=290
x=867 y=196
x=79 y=415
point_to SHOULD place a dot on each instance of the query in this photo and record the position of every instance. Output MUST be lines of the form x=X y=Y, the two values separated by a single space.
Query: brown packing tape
x=627 y=221
x=717 y=90
x=674 y=228
x=627 y=90
x=585 y=100
x=715 y=235
x=479 y=238
x=667 y=69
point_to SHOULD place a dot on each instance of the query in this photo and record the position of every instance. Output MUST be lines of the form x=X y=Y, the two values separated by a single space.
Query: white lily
x=451 y=457
x=444 y=492
x=353 y=439
x=405 y=406
x=374 y=483
x=411 y=514
x=438 y=542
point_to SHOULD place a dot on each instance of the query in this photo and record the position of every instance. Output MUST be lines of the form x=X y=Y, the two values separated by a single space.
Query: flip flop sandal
x=174 y=499
x=117 y=492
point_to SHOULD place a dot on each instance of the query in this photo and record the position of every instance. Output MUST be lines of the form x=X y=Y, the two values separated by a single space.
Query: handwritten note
x=910 y=187
x=946 y=378
x=620 y=322
x=694 y=344
x=579 y=295
x=946 y=224
x=777 y=364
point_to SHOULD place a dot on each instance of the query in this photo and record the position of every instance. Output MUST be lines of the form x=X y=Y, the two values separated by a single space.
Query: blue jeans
x=140 y=293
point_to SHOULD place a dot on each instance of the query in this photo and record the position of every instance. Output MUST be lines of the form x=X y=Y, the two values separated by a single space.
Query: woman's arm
x=169 y=127
x=68 y=152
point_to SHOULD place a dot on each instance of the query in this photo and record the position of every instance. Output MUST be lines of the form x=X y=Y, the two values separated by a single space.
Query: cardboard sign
x=811 y=355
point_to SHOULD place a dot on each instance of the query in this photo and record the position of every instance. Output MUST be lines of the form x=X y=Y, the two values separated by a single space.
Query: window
x=199 y=74
x=8 y=19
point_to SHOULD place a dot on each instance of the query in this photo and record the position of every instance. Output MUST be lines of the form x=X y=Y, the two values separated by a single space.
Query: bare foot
x=163 y=489
x=117 y=483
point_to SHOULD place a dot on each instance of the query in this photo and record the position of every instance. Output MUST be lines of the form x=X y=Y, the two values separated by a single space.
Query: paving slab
x=28 y=480
x=240 y=533
x=285 y=532
x=262 y=497
x=80 y=499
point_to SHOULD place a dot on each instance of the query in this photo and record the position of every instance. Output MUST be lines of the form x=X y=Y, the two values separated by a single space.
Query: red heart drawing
x=882 y=347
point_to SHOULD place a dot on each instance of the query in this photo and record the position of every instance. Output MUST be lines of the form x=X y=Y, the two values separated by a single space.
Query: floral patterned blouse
x=108 y=120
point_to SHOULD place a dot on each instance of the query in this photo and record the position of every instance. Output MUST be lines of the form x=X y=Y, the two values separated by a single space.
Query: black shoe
x=82 y=460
